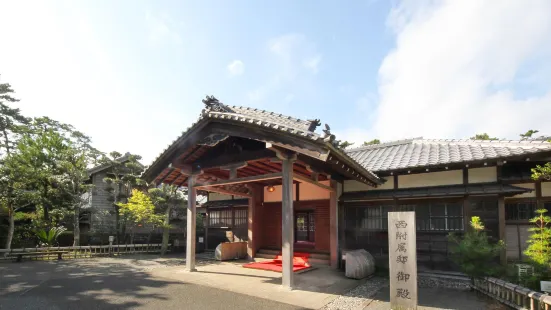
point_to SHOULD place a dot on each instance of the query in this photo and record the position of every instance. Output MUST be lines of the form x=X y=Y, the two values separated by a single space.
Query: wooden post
x=333 y=224
x=191 y=224
x=252 y=221
x=501 y=217
x=402 y=250
x=207 y=229
x=287 y=231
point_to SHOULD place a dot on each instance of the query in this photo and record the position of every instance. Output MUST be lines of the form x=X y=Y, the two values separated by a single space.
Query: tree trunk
x=11 y=215
x=166 y=232
x=76 y=227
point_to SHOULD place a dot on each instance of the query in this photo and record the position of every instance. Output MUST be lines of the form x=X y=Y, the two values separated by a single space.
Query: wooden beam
x=224 y=191
x=307 y=180
x=226 y=160
x=255 y=178
x=284 y=151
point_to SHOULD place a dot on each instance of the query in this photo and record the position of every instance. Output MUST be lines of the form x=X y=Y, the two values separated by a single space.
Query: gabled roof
x=420 y=152
x=302 y=129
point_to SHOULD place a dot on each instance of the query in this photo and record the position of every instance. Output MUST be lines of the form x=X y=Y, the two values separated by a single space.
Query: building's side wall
x=103 y=220
x=482 y=175
x=430 y=179
x=355 y=186
x=275 y=196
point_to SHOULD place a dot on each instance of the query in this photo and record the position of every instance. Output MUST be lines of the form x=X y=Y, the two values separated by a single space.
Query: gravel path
x=359 y=297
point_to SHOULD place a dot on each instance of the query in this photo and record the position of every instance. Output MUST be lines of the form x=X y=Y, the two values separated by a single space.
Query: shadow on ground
x=110 y=284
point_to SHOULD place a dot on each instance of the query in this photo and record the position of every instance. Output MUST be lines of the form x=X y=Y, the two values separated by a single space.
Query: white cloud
x=313 y=63
x=455 y=69
x=292 y=58
x=236 y=67
x=161 y=27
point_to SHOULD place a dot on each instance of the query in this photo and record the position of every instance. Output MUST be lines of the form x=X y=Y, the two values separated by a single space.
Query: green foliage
x=166 y=198
x=139 y=210
x=528 y=134
x=124 y=176
x=542 y=172
x=474 y=253
x=343 y=144
x=539 y=244
x=374 y=141
x=483 y=136
x=49 y=238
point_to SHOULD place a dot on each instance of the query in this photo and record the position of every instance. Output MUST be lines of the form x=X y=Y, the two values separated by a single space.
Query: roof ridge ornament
x=314 y=123
x=213 y=104
x=328 y=136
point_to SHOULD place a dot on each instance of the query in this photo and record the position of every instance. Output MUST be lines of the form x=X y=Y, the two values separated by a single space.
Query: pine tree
x=539 y=244
x=474 y=253
x=11 y=126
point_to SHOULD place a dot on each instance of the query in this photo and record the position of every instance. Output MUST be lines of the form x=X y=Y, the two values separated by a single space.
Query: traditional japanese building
x=275 y=182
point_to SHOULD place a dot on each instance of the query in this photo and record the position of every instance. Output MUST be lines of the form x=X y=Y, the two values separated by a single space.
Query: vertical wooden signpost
x=402 y=257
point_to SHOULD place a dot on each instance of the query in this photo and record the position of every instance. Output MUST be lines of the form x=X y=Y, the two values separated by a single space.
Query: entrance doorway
x=305 y=228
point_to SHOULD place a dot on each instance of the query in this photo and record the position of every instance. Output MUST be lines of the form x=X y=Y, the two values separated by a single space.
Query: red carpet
x=300 y=262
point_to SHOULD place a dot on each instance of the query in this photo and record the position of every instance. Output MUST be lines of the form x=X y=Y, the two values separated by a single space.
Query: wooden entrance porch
x=258 y=155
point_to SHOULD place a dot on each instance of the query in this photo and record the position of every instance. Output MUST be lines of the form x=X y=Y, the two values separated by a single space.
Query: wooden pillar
x=467 y=213
x=191 y=218
x=287 y=229
x=333 y=224
x=501 y=217
x=207 y=221
x=252 y=221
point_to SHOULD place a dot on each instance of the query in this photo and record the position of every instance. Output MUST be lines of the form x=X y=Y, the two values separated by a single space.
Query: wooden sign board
x=402 y=255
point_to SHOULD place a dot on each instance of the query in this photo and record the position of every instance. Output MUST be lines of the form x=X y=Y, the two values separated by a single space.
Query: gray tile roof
x=437 y=191
x=420 y=152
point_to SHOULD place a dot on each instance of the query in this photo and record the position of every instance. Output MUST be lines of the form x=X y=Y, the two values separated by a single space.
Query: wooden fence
x=88 y=251
x=512 y=295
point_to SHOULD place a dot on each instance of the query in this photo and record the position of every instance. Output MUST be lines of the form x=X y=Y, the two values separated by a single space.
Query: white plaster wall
x=217 y=196
x=546 y=189
x=526 y=195
x=355 y=186
x=312 y=192
x=430 y=179
x=275 y=196
x=483 y=175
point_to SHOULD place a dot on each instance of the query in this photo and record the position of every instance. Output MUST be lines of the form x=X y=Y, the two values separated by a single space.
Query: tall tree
x=11 y=125
x=167 y=198
x=124 y=176
x=483 y=136
x=527 y=135
x=374 y=141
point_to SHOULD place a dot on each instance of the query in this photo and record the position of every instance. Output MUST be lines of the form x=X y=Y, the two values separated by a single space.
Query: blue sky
x=132 y=74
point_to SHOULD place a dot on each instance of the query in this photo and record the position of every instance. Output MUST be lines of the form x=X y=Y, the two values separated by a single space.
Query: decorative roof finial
x=328 y=136
x=213 y=104
x=314 y=123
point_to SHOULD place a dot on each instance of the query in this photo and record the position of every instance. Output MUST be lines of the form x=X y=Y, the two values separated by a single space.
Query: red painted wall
x=270 y=219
